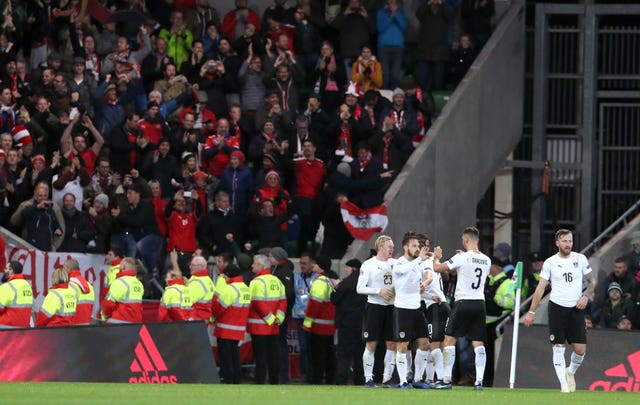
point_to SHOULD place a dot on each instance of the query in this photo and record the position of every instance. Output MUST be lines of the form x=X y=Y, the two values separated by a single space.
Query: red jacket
x=86 y=298
x=151 y=130
x=182 y=231
x=230 y=307
x=158 y=209
x=268 y=304
x=230 y=20
x=309 y=177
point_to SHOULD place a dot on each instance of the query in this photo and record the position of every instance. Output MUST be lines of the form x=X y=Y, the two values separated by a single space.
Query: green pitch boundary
x=97 y=393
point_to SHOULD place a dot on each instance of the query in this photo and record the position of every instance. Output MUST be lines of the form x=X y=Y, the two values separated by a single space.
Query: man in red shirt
x=181 y=223
x=310 y=173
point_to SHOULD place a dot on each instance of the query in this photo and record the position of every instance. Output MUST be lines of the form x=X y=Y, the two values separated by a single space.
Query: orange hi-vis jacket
x=268 y=303
x=201 y=290
x=86 y=298
x=230 y=308
x=123 y=304
x=16 y=300
x=320 y=314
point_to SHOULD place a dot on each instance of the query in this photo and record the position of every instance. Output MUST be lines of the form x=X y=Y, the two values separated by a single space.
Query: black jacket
x=284 y=272
x=349 y=304
x=140 y=220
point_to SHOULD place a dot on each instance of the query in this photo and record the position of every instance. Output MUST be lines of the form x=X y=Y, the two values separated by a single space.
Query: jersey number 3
x=476 y=284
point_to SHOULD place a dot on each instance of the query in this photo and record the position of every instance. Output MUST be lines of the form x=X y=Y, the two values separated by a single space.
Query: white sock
x=401 y=365
x=481 y=362
x=438 y=362
x=421 y=364
x=389 y=365
x=367 y=362
x=449 y=359
x=559 y=365
x=430 y=370
x=409 y=362
x=576 y=361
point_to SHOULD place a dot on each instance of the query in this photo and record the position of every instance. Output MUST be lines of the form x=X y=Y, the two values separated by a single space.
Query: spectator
x=460 y=60
x=632 y=258
x=306 y=38
x=251 y=79
x=532 y=273
x=272 y=110
x=215 y=230
x=391 y=146
x=59 y=305
x=282 y=268
x=354 y=27
x=330 y=76
x=232 y=62
x=617 y=305
x=127 y=145
x=212 y=80
x=161 y=165
x=72 y=178
x=267 y=227
x=181 y=214
x=403 y=116
x=78 y=232
x=41 y=220
x=100 y=222
x=237 y=181
x=366 y=71
x=309 y=174
x=190 y=68
x=219 y=148
x=198 y=18
x=153 y=126
x=210 y=42
x=619 y=275
x=350 y=307
x=140 y=233
x=178 y=37
x=316 y=116
x=83 y=83
x=624 y=323
x=236 y=20
x=103 y=180
x=124 y=55
x=391 y=24
x=502 y=256
x=268 y=141
x=286 y=82
x=279 y=11
x=476 y=19
x=366 y=168
x=433 y=48
x=153 y=64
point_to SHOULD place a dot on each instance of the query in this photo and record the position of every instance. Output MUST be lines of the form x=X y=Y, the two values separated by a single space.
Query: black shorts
x=408 y=324
x=437 y=315
x=467 y=319
x=566 y=325
x=377 y=323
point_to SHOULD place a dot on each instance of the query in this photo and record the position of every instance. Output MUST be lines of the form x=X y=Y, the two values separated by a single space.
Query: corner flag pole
x=516 y=283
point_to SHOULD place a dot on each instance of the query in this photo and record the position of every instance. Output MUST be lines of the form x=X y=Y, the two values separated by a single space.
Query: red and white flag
x=363 y=223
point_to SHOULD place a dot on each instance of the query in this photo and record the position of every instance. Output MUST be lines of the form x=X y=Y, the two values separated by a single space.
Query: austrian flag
x=363 y=223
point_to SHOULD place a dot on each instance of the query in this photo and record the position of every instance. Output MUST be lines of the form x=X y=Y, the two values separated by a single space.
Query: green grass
x=115 y=394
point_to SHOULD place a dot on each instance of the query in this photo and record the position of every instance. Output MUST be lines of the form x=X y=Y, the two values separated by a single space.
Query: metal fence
x=583 y=116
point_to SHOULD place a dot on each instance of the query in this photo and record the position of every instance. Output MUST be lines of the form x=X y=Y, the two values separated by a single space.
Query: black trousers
x=265 y=352
x=323 y=357
x=229 y=354
x=283 y=352
x=350 y=349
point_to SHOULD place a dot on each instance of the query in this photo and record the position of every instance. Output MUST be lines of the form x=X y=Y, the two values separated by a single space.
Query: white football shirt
x=407 y=276
x=375 y=275
x=435 y=288
x=473 y=269
x=565 y=276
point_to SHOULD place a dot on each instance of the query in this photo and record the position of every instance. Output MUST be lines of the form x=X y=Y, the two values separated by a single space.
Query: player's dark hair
x=472 y=232
x=408 y=236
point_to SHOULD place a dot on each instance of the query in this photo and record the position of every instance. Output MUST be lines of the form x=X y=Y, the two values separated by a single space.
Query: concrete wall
x=438 y=190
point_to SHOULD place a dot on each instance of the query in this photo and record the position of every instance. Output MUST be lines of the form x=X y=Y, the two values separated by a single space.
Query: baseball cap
x=536 y=257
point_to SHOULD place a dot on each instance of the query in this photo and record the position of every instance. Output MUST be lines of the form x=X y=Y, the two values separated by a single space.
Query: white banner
x=38 y=267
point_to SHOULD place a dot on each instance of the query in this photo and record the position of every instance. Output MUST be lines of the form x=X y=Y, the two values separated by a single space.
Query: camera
x=212 y=63
x=187 y=194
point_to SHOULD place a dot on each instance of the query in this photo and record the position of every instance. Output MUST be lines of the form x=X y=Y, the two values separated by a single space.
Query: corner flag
x=516 y=280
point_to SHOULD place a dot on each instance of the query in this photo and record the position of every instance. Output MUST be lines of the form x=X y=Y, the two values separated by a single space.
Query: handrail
x=621 y=219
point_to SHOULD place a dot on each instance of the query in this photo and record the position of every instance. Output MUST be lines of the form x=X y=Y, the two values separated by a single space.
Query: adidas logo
x=148 y=366
x=624 y=377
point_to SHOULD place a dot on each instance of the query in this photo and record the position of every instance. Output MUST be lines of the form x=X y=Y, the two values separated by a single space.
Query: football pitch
x=97 y=393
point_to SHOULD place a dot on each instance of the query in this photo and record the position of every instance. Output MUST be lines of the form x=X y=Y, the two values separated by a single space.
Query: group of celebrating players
x=406 y=302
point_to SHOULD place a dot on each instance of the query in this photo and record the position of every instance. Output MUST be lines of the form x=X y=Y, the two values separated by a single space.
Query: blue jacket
x=239 y=184
x=301 y=286
x=391 y=29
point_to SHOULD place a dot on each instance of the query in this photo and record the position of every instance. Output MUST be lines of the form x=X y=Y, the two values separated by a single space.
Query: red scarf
x=344 y=143
x=385 y=152
x=398 y=119
x=366 y=162
x=357 y=112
